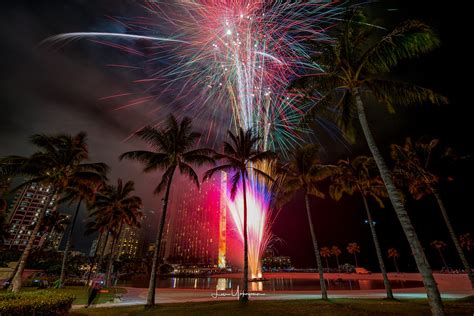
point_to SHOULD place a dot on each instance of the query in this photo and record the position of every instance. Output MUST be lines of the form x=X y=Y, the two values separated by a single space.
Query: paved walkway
x=450 y=285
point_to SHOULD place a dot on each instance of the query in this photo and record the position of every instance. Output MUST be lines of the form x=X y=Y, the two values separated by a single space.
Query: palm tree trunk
x=327 y=263
x=93 y=261
x=464 y=261
x=150 y=301
x=244 y=297
x=442 y=258
x=337 y=262
x=396 y=264
x=355 y=259
x=17 y=281
x=68 y=245
x=104 y=247
x=378 y=251
x=432 y=291
x=110 y=265
x=324 y=293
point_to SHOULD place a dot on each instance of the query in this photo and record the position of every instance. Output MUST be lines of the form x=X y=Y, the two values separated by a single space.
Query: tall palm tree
x=357 y=64
x=393 y=253
x=325 y=252
x=241 y=157
x=356 y=176
x=82 y=191
x=413 y=164
x=53 y=222
x=303 y=173
x=353 y=248
x=59 y=162
x=173 y=147
x=116 y=206
x=336 y=252
x=440 y=245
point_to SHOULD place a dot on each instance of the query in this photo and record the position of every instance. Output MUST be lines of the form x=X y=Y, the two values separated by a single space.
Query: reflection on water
x=274 y=284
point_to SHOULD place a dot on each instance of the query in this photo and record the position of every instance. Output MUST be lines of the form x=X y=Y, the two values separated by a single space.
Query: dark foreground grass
x=81 y=293
x=334 y=307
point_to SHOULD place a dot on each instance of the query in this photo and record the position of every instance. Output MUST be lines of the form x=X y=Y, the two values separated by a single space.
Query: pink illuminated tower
x=195 y=230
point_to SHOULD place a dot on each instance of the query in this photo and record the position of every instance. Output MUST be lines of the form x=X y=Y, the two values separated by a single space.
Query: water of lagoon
x=273 y=284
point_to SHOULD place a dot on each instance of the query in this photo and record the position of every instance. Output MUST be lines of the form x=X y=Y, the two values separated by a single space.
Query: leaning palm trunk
x=434 y=297
x=17 y=281
x=110 y=265
x=244 y=295
x=68 y=245
x=324 y=293
x=464 y=261
x=150 y=301
x=378 y=251
x=93 y=261
x=396 y=264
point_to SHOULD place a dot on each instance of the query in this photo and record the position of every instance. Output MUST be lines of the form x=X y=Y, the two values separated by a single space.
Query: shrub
x=35 y=303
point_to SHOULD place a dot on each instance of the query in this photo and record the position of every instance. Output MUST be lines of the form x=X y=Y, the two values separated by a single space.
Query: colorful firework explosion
x=229 y=63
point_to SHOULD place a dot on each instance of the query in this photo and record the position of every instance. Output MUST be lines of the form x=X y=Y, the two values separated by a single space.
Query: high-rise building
x=127 y=243
x=194 y=230
x=24 y=213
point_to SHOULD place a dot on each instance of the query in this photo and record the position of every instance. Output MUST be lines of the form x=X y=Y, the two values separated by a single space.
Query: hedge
x=36 y=303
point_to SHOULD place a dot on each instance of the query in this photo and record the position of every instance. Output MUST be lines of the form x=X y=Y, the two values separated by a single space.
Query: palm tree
x=242 y=157
x=356 y=176
x=78 y=192
x=325 y=253
x=413 y=164
x=303 y=173
x=336 y=252
x=172 y=148
x=353 y=248
x=357 y=64
x=116 y=206
x=58 y=163
x=393 y=253
x=440 y=246
x=53 y=222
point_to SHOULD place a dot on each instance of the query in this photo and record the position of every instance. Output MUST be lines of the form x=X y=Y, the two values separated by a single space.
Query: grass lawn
x=81 y=293
x=293 y=307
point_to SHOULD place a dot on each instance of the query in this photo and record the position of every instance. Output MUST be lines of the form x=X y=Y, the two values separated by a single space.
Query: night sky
x=58 y=90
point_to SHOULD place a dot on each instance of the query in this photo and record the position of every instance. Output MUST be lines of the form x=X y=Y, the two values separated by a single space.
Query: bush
x=35 y=303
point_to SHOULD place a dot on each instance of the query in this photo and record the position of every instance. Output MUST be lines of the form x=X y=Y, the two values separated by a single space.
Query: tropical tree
x=413 y=165
x=440 y=245
x=336 y=252
x=325 y=253
x=358 y=176
x=356 y=65
x=82 y=191
x=116 y=206
x=304 y=172
x=59 y=162
x=172 y=148
x=242 y=158
x=393 y=253
x=353 y=248
x=53 y=222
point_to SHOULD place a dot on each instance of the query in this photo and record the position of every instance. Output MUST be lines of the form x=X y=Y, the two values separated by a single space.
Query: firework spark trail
x=230 y=62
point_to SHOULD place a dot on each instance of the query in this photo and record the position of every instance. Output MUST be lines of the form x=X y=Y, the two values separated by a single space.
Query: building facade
x=24 y=214
x=194 y=231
